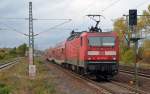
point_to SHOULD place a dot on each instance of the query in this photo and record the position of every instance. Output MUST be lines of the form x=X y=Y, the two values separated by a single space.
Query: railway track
x=127 y=74
x=130 y=70
x=102 y=87
x=9 y=64
x=139 y=73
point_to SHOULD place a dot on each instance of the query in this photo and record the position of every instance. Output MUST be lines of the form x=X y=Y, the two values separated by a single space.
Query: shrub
x=4 y=89
x=140 y=52
x=146 y=55
x=128 y=56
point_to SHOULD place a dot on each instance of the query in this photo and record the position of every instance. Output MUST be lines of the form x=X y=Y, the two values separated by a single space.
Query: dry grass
x=17 y=81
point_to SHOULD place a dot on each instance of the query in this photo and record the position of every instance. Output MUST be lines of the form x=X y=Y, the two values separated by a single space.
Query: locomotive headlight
x=89 y=58
x=114 y=58
x=110 y=52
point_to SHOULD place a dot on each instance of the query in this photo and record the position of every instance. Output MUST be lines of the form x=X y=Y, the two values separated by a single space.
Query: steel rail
x=8 y=64
x=142 y=74
x=129 y=87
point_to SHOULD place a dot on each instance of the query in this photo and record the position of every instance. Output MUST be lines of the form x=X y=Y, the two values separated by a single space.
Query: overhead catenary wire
x=52 y=19
x=110 y=5
x=141 y=4
x=7 y=18
x=53 y=27
x=113 y=3
x=13 y=29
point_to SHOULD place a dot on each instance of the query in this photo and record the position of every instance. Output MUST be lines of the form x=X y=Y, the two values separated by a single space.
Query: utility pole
x=135 y=39
x=31 y=35
x=32 y=67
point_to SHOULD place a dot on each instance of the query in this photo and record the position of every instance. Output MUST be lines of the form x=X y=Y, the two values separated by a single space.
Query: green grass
x=4 y=89
x=16 y=81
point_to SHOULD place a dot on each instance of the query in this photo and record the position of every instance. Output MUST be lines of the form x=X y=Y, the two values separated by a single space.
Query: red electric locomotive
x=94 y=52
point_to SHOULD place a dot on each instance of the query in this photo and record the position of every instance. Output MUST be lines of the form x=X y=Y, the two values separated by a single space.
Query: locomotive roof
x=74 y=35
x=77 y=34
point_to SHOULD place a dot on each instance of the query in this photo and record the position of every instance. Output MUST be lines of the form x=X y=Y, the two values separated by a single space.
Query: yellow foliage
x=146 y=53
x=146 y=44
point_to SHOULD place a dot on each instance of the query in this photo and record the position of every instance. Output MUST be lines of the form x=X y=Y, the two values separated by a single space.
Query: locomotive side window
x=81 y=41
x=101 y=41
x=62 y=50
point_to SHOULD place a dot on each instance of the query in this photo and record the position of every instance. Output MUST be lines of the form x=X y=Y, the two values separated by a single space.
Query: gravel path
x=67 y=84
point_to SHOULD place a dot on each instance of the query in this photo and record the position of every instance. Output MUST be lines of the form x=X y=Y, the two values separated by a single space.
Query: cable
x=50 y=19
x=89 y=6
x=5 y=18
x=109 y=6
x=53 y=27
x=142 y=3
x=33 y=19
x=14 y=29
x=65 y=29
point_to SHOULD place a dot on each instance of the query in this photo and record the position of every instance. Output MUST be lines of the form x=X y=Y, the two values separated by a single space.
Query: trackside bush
x=146 y=55
x=140 y=52
x=4 y=89
x=128 y=56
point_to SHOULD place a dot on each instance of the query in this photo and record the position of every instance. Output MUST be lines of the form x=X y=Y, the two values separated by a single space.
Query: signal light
x=132 y=17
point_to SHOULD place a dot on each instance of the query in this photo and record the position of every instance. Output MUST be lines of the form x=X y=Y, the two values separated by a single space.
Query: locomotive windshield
x=101 y=41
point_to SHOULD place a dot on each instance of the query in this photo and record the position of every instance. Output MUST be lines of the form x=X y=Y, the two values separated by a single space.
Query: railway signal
x=132 y=17
x=131 y=21
x=134 y=38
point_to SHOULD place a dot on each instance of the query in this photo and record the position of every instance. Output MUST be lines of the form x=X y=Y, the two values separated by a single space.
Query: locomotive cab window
x=101 y=41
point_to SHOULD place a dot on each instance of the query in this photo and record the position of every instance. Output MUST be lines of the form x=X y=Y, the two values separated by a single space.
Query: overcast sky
x=58 y=9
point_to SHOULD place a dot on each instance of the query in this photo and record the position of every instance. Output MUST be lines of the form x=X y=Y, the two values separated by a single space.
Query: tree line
x=6 y=53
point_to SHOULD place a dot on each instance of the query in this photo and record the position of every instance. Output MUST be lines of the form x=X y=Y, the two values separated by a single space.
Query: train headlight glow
x=89 y=58
x=110 y=52
x=114 y=58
